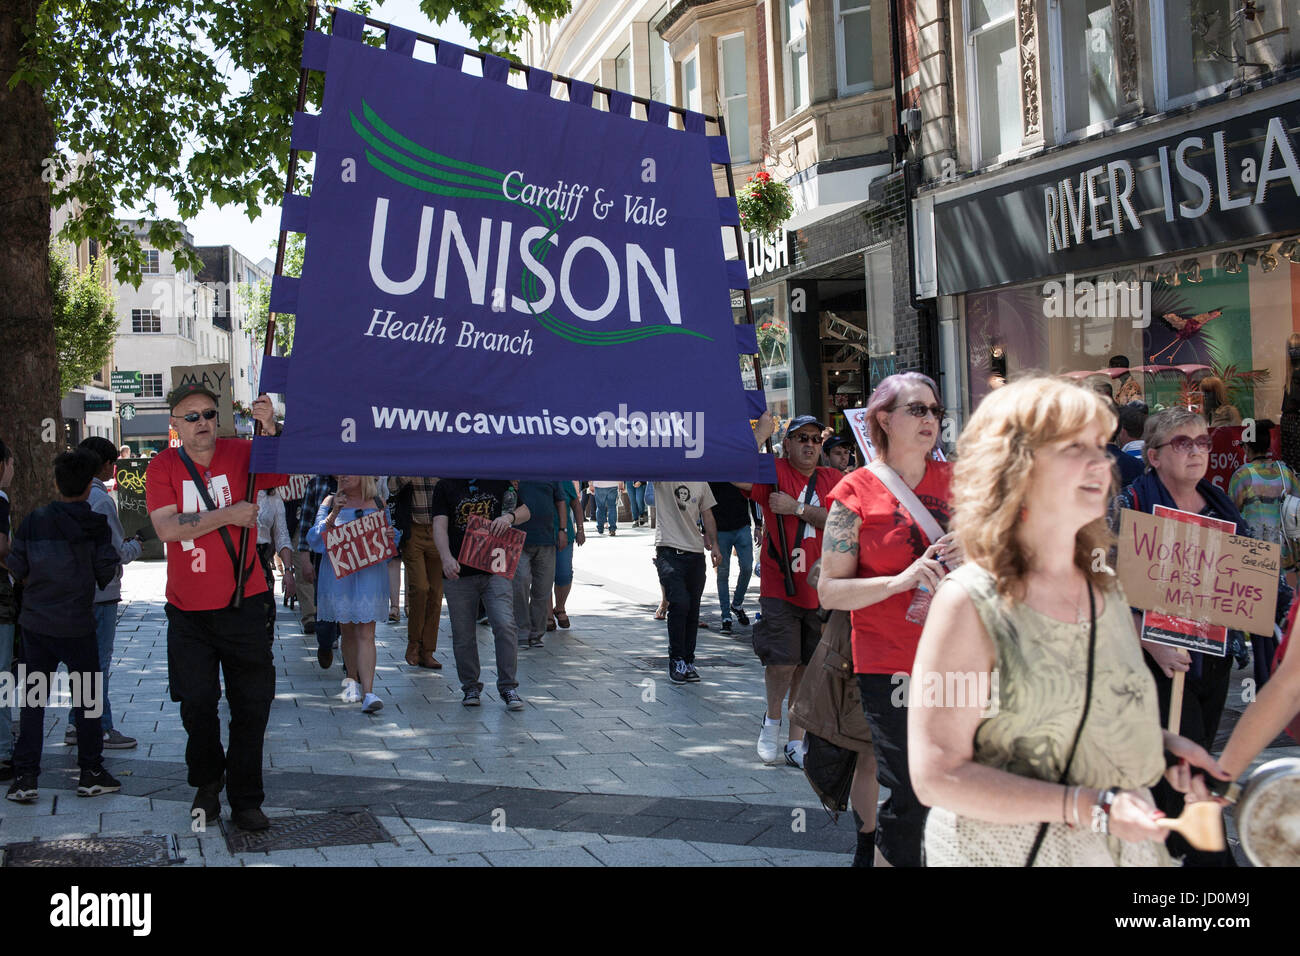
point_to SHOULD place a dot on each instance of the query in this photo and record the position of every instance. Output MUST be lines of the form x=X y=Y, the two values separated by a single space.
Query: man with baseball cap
x=788 y=631
x=195 y=498
x=837 y=452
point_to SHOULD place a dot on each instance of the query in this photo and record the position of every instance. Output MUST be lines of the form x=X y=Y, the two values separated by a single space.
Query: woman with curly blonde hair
x=1053 y=767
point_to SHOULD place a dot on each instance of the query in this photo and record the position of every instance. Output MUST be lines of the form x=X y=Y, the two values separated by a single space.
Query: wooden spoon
x=1201 y=825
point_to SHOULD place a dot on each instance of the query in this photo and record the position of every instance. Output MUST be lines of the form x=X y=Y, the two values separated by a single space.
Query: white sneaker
x=371 y=704
x=794 y=752
x=769 y=741
x=351 y=691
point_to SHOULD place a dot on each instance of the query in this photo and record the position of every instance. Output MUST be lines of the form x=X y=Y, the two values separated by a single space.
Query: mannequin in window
x=1291 y=404
x=1215 y=405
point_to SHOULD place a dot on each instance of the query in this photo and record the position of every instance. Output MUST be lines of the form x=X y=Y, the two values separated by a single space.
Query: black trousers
x=1203 y=701
x=42 y=655
x=682 y=574
x=202 y=647
x=900 y=824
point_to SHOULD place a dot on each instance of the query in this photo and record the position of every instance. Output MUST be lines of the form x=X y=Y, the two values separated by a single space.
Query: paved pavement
x=609 y=764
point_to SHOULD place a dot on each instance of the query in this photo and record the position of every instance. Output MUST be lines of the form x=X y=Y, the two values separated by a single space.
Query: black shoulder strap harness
x=202 y=487
x=808 y=493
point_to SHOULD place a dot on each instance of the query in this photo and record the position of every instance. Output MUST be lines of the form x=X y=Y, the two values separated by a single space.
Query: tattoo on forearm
x=188 y=519
x=841 y=533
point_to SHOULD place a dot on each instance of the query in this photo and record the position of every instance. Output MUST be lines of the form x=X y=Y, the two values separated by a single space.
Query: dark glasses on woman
x=920 y=409
x=207 y=415
x=1183 y=444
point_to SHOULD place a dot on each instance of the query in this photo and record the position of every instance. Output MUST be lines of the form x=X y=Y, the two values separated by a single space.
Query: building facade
x=805 y=91
x=1111 y=191
x=225 y=271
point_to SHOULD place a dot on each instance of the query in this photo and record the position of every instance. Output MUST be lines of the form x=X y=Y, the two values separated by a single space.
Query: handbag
x=829 y=769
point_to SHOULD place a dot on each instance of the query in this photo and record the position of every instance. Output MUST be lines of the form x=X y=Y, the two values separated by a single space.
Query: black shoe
x=95 y=782
x=6 y=770
x=677 y=670
x=535 y=642
x=692 y=675
x=208 y=799
x=325 y=657
x=613 y=532
x=741 y=616
x=309 y=627
x=250 y=818
x=472 y=698
x=726 y=627
x=23 y=790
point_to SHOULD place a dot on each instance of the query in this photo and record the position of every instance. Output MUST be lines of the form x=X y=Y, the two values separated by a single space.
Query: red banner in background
x=1227 y=454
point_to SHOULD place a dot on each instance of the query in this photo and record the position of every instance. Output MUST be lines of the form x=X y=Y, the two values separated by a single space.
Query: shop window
x=1193 y=54
x=733 y=95
x=853 y=45
x=794 y=29
x=691 y=82
x=1084 y=83
x=661 y=62
x=883 y=354
x=773 y=332
x=993 y=79
x=845 y=348
x=623 y=70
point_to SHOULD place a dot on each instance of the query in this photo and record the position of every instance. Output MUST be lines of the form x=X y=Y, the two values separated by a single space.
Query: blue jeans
x=742 y=539
x=636 y=500
x=606 y=503
x=105 y=633
x=6 y=712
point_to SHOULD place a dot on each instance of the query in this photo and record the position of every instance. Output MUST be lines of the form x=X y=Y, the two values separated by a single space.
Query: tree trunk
x=30 y=420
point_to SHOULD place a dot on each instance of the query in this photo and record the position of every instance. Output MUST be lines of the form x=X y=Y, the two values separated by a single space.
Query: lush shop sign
x=1229 y=181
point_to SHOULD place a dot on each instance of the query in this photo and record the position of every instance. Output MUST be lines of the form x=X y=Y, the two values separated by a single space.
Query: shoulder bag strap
x=1087 y=705
x=907 y=498
x=202 y=487
x=808 y=493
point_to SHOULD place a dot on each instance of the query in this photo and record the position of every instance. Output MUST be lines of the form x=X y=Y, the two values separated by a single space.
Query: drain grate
x=307 y=831
x=149 y=850
x=699 y=662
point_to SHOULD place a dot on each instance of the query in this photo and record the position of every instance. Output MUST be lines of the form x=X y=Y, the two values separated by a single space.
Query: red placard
x=498 y=554
x=1227 y=454
x=360 y=544
x=1180 y=631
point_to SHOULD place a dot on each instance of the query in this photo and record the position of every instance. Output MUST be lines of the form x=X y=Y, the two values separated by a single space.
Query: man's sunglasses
x=1183 y=444
x=207 y=415
x=807 y=438
x=919 y=410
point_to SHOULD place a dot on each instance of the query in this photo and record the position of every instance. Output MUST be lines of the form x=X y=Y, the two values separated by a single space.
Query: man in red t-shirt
x=789 y=629
x=206 y=636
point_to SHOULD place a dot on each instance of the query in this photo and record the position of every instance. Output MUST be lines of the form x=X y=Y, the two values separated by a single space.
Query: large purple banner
x=502 y=283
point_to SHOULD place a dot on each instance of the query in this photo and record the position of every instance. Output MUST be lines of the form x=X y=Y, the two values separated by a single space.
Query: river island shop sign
x=1230 y=181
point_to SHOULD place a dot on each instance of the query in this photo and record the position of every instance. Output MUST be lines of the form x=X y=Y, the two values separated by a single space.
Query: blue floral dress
x=358 y=598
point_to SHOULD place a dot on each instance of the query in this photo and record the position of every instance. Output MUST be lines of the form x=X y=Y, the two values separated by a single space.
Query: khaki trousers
x=423 y=587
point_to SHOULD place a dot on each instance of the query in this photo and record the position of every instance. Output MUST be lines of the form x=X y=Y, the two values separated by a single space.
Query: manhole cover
x=307 y=831
x=149 y=850
x=699 y=662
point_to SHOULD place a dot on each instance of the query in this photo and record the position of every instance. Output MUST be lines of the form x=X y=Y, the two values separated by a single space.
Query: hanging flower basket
x=765 y=204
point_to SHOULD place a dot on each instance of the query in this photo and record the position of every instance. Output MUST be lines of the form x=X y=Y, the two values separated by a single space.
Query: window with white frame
x=1193 y=49
x=993 y=79
x=691 y=82
x=151 y=263
x=146 y=320
x=151 y=385
x=733 y=95
x=1085 y=85
x=794 y=31
x=623 y=70
x=661 y=62
x=853 y=45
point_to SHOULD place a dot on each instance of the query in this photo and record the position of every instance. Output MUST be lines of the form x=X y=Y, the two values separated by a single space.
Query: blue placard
x=501 y=283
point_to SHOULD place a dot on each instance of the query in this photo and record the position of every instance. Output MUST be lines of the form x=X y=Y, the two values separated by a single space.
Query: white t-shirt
x=677 y=511
x=604 y=484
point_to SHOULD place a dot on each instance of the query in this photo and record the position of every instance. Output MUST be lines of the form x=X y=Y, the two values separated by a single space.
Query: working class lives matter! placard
x=501 y=282
x=1202 y=574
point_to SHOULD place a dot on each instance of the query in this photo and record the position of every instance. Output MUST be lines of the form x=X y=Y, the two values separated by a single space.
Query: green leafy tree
x=257 y=297
x=85 y=323
x=109 y=104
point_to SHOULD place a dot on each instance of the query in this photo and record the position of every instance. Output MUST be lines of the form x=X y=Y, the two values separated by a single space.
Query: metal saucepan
x=1268 y=814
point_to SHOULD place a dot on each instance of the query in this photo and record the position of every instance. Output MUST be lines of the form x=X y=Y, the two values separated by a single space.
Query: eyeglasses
x=1183 y=444
x=807 y=438
x=207 y=415
x=919 y=409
